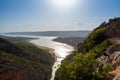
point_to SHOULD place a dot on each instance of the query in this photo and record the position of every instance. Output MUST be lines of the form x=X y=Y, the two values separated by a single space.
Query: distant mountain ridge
x=55 y=33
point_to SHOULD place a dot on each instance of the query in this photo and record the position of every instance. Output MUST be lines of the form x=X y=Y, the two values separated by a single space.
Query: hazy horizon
x=55 y=15
x=47 y=31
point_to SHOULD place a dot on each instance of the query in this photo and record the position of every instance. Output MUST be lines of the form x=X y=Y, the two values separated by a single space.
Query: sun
x=63 y=4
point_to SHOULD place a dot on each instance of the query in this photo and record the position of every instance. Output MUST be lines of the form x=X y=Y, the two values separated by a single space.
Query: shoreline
x=53 y=53
x=49 y=50
x=71 y=41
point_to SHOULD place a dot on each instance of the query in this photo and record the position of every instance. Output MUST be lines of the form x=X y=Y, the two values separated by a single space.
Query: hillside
x=24 y=61
x=97 y=58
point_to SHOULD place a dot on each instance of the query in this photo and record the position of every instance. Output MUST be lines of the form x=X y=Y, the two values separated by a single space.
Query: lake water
x=61 y=50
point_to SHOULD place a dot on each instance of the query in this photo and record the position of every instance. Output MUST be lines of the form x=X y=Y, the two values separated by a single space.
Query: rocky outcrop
x=113 y=28
x=114 y=75
x=113 y=59
x=113 y=52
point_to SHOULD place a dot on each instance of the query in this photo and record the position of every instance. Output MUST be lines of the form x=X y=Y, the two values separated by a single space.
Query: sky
x=55 y=15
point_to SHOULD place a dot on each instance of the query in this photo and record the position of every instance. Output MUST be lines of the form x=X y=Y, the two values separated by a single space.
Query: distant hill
x=24 y=61
x=17 y=39
x=55 y=33
x=73 y=41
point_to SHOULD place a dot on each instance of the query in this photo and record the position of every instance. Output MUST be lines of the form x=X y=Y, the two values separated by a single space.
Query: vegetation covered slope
x=24 y=61
x=98 y=57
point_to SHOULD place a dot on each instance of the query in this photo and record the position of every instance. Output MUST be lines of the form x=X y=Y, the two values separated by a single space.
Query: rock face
x=113 y=59
x=114 y=75
x=113 y=28
x=24 y=63
x=113 y=52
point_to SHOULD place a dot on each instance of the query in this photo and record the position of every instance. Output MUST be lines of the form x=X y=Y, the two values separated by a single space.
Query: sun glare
x=63 y=4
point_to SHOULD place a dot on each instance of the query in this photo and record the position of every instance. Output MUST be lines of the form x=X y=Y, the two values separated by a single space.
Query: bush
x=96 y=37
x=100 y=49
x=82 y=67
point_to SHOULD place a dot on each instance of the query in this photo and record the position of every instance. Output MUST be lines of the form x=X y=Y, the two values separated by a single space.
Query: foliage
x=95 y=38
x=100 y=49
x=82 y=67
x=16 y=59
x=31 y=47
x=26 y=55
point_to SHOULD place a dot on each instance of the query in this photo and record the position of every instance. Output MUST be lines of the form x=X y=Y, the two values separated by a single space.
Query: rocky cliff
x=112 y=53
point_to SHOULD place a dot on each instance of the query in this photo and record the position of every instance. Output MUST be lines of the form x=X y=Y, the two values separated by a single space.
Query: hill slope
x=24 y=61
x=100 y=58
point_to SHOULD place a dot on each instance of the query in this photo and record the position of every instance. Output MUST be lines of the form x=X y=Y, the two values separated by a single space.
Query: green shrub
x=82 y=67
x=100 y=49
x=19 y=60
x=31 y=47
x=96 y=37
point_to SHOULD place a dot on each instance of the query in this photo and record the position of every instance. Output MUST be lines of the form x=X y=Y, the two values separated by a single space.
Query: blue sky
x=39 y=15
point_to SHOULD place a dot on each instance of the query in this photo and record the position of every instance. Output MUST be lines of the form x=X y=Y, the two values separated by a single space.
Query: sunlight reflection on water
x=61 y=50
